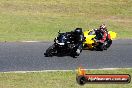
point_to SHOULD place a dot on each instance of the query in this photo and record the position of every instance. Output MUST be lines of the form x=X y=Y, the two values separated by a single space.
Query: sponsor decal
x=83 y=78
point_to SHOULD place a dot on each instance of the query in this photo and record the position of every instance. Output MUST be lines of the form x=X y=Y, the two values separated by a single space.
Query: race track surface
x=30 y=57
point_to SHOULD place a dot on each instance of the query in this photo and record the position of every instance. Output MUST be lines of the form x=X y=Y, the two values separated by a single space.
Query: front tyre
x=104 y=46
x=109 y=43
x=50 y=51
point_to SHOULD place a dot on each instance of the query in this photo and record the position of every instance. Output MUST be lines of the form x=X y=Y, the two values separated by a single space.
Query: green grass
x=41 y=19
x=56 y=79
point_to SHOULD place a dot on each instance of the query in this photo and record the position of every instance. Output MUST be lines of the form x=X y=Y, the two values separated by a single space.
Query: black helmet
x=78 y=31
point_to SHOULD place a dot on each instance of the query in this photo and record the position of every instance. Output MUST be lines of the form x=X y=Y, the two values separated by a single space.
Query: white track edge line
x=62 y=70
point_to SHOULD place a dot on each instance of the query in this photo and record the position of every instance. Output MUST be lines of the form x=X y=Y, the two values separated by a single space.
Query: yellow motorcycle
x=91 y=44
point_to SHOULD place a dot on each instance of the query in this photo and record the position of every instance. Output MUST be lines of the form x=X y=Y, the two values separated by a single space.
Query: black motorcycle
x=63 y=45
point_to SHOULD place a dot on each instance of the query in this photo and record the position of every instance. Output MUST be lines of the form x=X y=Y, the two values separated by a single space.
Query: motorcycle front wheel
x=50 y=51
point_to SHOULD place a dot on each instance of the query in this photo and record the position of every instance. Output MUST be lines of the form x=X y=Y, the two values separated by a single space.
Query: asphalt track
x=18 y=56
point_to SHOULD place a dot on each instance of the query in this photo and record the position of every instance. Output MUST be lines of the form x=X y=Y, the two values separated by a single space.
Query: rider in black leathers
x=78 y=37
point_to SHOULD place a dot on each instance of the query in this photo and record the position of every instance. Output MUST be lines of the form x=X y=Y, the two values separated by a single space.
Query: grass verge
x=56 y=79
x=22 y=20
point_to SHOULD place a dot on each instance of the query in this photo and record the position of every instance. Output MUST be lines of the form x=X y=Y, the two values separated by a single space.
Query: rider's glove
x=96 y=40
